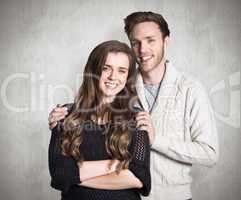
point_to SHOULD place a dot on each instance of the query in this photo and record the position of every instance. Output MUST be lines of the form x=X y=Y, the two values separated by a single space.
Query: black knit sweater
x=65 y=172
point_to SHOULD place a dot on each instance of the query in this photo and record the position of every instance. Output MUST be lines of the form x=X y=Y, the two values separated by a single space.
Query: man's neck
x=154 y=76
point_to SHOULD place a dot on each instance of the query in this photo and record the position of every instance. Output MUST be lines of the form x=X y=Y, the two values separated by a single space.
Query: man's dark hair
x=139 y=17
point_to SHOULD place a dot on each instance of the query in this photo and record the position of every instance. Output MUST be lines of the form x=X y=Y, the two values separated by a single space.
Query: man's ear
x=166 y=42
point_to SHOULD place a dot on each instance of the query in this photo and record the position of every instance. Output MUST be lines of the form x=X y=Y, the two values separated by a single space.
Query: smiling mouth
x=110 y=85
x=145 y=58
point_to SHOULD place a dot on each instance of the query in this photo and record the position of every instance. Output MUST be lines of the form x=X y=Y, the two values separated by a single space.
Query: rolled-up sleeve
x=140 y=164
x=63 y=170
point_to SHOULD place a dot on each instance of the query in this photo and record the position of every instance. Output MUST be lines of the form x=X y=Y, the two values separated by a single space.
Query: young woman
x=98 y=153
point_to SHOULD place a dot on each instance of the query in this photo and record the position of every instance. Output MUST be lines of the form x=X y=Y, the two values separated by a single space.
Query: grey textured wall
x=44 y=46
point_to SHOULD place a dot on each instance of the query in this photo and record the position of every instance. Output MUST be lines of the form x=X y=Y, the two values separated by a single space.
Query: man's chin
x=145 y=67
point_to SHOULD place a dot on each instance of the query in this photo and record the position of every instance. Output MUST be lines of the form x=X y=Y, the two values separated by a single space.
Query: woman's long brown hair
x=86 y=107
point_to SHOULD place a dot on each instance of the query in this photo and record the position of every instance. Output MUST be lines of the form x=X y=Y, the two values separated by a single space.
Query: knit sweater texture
x=64 y=170
x=185 y=131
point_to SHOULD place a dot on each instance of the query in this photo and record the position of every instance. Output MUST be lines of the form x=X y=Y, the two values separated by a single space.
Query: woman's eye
x=105 y=68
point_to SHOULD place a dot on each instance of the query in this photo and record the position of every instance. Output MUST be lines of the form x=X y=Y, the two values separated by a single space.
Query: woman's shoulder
x=70 y=107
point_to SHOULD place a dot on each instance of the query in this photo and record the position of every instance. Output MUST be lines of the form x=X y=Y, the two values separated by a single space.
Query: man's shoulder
x=183 y=78
x=187 y=82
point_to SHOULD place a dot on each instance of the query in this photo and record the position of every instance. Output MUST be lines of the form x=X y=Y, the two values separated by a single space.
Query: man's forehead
x=145 y=29
x=145 y=35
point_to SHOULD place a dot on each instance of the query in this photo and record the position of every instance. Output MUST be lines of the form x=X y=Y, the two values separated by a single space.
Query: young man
x=177 y=113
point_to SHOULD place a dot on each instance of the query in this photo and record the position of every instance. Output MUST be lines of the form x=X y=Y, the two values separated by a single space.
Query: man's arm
x=57 y=114
x=203 y=147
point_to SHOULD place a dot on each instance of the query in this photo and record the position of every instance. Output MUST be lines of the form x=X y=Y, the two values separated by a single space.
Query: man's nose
x=142 y=47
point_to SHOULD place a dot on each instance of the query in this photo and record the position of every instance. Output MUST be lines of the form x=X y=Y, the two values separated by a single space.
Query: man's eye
x=151 y=41
x=134 y=44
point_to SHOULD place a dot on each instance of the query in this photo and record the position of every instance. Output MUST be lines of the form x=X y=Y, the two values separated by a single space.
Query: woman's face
x=114 y=75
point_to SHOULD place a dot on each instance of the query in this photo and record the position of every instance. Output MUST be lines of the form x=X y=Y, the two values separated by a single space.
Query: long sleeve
x=63 y=170
x=202 y=148
x=140 y=164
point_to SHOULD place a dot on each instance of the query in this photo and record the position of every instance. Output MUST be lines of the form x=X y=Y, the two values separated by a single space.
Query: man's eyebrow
x=147 y=37
x=150 y=37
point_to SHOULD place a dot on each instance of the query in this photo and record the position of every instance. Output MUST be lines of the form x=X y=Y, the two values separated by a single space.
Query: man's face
x=148 y=45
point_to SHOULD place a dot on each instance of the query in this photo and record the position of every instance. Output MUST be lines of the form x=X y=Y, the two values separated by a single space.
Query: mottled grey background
x=44 y=46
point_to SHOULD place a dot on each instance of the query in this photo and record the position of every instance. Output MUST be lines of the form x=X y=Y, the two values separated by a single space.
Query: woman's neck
x=107 y=100
x=101 y=117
